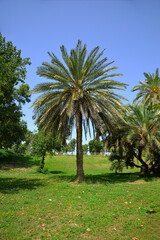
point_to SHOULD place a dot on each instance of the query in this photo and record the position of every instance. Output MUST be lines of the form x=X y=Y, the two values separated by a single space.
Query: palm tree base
x=80 y=178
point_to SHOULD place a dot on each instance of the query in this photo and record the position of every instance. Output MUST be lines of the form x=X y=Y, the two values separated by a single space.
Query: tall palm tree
x=80 y=93
x=149 y=91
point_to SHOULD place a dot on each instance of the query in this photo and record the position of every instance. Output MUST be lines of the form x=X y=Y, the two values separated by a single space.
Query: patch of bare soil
x=9 y=166
x=137 y=182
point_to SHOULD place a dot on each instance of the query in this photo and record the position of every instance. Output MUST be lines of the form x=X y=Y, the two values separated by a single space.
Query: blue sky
x=129 y=30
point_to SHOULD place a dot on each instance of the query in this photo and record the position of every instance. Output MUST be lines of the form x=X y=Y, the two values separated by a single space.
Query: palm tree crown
x=143 y=125
x=81 y=93
x=149 y=91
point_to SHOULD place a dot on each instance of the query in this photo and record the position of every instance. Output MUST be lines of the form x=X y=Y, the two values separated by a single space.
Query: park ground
x=53 y=206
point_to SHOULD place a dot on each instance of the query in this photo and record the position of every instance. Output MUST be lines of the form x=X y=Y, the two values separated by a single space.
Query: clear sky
x=129 y=30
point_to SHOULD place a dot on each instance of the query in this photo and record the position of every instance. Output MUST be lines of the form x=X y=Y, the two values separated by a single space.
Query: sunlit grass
x=54 y=206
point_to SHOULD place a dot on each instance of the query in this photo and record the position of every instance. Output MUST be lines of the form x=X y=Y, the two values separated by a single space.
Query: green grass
x=52 y=206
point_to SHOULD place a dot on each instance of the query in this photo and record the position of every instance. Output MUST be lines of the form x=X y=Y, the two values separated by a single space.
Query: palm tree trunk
x=80 y=172
x=144 y=167
x=151 y=165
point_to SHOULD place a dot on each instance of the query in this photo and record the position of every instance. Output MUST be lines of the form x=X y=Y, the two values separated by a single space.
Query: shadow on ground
x=110 y=178
x=57 y=172
x=14 y=185
x=9 y=160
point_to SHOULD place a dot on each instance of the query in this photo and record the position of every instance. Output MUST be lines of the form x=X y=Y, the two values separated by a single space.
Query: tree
x=13 y=93
x=24 y=146
x=41 y=143
x=72 y=145
x=149 y=91
x=66 y=148
x=85 y=148
x=20 y=148
x=138 y=137
x=58 y=146
x=81 y=92
x=149 y=94
x=95 y=146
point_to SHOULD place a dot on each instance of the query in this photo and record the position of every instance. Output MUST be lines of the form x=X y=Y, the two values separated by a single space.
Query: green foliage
x=82 y=84
x=13 y=93
x=85 y=148
x=154 y=107
x=96 y=146
x=8 y=156
x=72 y=145
x=10 y=159
x=20 y=148
x=118 y=162
x=23 y=147
x=42 y=170
x=57 y=144
x=149 y=91
x=80 y=93
x=149 y=94
x=41 y=144
x=66 y=148
x=138 y=137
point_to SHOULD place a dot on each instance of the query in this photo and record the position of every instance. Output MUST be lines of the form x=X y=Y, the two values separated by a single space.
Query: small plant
x=118 y=162
x=42 y=143
x=42 y=170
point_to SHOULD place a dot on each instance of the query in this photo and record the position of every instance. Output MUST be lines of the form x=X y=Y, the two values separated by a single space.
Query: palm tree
x=80 y=93
x=149 y=91
x=140 y=134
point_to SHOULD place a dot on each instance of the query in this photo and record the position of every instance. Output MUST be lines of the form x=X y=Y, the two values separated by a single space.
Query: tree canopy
x=96 y=146
x=41 y=144
x=13 y=93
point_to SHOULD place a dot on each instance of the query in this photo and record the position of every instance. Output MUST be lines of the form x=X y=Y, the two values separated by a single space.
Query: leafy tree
x=28 y=139
x=13 y=93
x=95 y=146
x=23 y=147
x=58 y=146
x=20 y=148
x=66 y=148
x=81 y=92
x=41 y=144
x=72 y=145
x=149 y=91
x=85 y=148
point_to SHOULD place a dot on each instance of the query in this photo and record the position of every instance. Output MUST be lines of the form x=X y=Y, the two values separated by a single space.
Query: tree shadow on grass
x=57 y=172
x=14 y=185
x=110 y=178
x=9 y=160
x=119 y=178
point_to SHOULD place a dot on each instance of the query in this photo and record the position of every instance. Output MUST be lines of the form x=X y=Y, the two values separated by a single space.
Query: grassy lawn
x=53 y=206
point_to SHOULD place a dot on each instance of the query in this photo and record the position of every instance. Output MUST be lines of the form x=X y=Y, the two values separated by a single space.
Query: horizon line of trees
x=94 y=146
